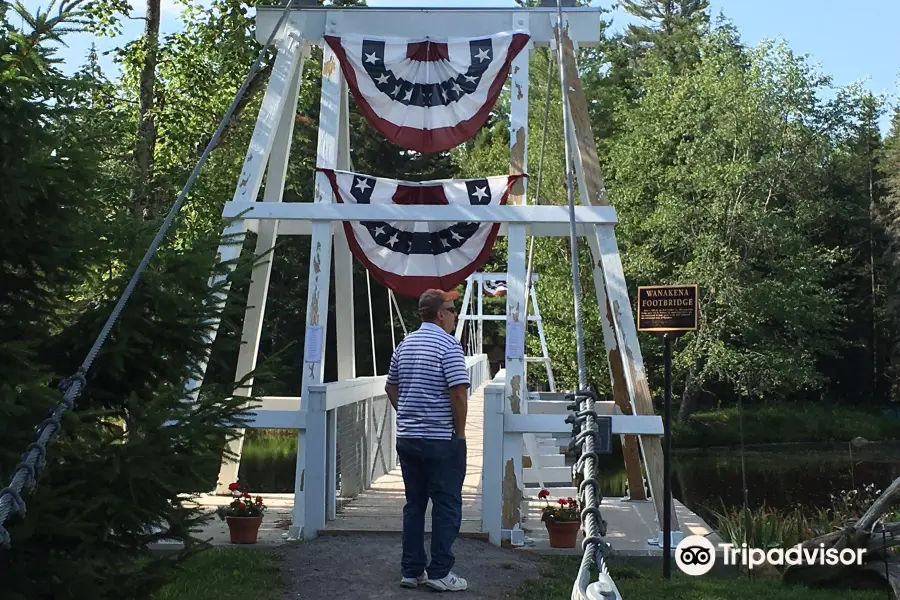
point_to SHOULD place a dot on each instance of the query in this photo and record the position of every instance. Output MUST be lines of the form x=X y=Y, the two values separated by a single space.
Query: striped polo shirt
x=424 y=366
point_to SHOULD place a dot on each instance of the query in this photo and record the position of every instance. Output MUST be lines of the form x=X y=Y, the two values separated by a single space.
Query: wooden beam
x=293 y=227
x=322 y=210
x=621 y=424
x=267 y=234
x=515 y=392
x=518 y=117
x=630 y=389
x=428 y=22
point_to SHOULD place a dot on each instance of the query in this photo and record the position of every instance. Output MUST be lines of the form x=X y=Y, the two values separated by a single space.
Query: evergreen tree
x=673 y=30
x=105 y=492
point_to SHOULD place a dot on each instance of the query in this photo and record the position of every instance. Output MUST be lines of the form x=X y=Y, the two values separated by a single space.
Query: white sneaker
x=451 y=583
x=414 y=582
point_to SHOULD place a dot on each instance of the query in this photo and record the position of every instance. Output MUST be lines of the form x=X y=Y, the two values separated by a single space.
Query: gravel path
x=363 y=567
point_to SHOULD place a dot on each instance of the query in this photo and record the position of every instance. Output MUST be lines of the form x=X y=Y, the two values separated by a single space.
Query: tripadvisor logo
x=696 y=555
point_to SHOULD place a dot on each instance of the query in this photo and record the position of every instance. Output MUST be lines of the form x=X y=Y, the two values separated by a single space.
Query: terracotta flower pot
x=563 y=534
x=244 y=530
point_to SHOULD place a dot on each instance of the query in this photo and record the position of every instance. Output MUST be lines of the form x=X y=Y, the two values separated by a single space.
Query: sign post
x=670 y=310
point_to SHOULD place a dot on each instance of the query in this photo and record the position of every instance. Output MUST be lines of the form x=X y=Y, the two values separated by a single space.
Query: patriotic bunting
x=411 y=257
x=426 y=95
x=495 y=288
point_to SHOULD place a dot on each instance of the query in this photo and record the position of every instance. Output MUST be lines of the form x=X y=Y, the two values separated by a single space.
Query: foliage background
x=723 y=162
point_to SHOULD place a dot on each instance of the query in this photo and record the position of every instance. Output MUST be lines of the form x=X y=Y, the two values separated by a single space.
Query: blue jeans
x=431 y=469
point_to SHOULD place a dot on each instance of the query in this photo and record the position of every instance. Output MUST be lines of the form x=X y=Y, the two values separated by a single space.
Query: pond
x=703 y=480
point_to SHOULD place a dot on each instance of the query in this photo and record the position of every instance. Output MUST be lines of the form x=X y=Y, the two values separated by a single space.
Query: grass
x=784 y=423
x=558 y=575
x=227 y=574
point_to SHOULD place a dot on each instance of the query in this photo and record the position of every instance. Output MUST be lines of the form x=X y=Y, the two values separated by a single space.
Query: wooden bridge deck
x=380 y=508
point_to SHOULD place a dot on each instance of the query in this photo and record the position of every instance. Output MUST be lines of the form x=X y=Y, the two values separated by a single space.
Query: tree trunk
x=856 y=535
x=141 y=196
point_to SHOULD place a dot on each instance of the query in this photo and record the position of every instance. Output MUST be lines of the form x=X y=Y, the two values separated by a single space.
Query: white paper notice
x=515 y=339
x=314 y=344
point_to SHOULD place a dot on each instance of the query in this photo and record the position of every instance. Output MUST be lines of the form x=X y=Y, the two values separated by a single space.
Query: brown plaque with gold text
x=663 y=308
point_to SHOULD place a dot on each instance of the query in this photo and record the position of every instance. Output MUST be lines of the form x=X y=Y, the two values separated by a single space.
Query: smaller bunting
x=410 y=257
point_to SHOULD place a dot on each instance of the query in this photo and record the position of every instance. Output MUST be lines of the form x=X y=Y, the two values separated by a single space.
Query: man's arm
x=457 y=377
x=459 y=404
x=393 y=377
x=392 y=394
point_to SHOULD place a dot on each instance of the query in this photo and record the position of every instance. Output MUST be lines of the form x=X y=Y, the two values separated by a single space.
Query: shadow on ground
x=368 y=566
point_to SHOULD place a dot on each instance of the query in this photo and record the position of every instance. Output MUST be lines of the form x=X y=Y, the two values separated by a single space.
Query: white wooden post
x=464 y=310
x=331 y=481
x=480 y=327
x=319 y=270
x=492 y=464
x=267 y=233
x=545 y=353
x=316 y=463
x=313 y=370
x=515 y=390
x=518 y=115
x=290 y=47
x=338 y=157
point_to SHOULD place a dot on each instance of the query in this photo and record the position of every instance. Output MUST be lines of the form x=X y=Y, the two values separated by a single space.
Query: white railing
x=365 y=457
x=503 y=432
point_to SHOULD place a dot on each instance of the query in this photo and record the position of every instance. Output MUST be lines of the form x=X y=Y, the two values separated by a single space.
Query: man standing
x=428 y=386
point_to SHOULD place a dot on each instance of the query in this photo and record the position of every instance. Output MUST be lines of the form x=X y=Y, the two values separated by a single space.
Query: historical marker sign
x=664 y=308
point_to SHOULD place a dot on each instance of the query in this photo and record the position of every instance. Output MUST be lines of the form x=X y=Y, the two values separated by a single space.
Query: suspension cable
x=399 y=314
x=33 y=461
x=540 y=174
x=391 y=314
x=589 y=494
x=372 y=324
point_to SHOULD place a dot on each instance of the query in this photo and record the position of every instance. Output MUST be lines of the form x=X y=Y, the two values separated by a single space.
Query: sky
x=849 y=42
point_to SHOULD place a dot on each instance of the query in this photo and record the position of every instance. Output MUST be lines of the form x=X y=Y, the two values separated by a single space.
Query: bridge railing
x=346 y=440
x=503 y=447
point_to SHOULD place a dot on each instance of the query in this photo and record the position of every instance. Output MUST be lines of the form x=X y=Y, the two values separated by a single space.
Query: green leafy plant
x=243 y=504
x=564 y=509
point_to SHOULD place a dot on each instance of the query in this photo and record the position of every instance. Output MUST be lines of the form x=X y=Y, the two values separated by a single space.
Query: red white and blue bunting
x=410 y=257
x=495 y=288
x=427 y=95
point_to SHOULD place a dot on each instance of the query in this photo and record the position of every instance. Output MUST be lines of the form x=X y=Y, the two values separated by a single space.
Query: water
x=780 y=477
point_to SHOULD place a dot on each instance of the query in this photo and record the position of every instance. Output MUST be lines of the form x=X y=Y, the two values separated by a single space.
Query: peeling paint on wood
x=328 y=67
x=515 y=69
x=517 y=166
x=519 y=94
x=314 y=307
x=515 y=399
x=511 y=513
x=302 y=478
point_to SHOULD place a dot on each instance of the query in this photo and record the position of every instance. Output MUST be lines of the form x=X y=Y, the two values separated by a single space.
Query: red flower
x=571 y=502
x=563 y=501
x=543 y=494
x=245 y=495
x=259 y=500
x=233 y=487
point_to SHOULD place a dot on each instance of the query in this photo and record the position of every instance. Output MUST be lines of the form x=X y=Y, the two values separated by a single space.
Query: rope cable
x=372 y=324
x=540 y=174
x=34 y=459
x=391 y=313
x=399 y=314
x=589 y=489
